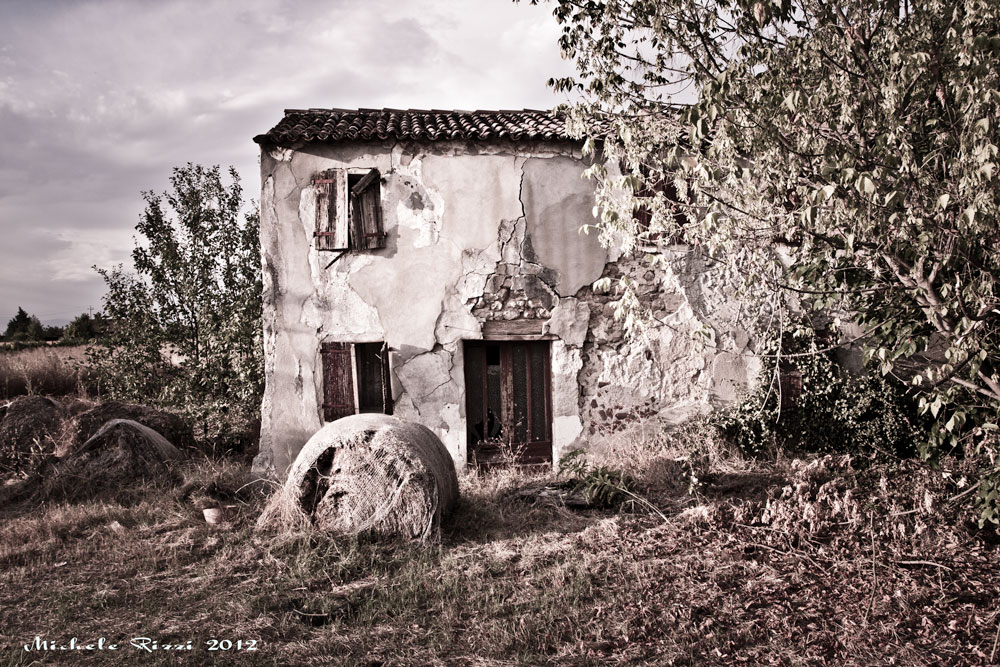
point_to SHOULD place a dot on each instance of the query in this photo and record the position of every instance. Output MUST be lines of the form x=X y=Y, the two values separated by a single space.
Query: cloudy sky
x=99 y=99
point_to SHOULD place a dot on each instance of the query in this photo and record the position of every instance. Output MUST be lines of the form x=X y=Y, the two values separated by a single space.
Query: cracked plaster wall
x=697 y=357
x=476 y=232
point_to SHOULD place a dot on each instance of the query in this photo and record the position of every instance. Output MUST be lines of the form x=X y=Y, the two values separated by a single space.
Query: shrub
x=186 y=328
x=601 y=486
x=835 y=410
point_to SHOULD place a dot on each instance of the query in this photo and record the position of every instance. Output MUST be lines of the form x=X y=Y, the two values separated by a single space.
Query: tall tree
x=184 y=328
x=842 y=153
x=24 y=327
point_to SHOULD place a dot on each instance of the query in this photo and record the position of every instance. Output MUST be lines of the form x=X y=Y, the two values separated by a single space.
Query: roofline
x=266 y=140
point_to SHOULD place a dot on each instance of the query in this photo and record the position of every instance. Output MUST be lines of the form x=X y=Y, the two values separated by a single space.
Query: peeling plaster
x=569 y=322
x=477 y=232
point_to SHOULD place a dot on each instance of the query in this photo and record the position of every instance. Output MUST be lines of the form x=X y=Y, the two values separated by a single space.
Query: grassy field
x=44 y=370
x=792 y=562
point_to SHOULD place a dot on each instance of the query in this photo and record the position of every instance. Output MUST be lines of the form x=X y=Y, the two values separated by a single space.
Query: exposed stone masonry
x=519 y=288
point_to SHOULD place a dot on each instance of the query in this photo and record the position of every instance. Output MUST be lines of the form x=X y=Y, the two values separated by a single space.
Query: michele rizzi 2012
x=147 y=644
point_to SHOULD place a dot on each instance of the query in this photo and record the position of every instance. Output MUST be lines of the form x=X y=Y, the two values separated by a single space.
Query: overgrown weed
x=725 y=578
x=45 y=370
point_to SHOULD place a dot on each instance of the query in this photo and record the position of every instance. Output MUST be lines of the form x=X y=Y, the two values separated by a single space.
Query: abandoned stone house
x=432 y=264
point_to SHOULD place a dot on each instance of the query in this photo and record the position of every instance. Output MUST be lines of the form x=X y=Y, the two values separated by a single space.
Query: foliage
x=52 y=333
x=601 y=486
x=85 y=327
x=185 y=327
x=834 y=411
x=840 y=157
x=24 y=327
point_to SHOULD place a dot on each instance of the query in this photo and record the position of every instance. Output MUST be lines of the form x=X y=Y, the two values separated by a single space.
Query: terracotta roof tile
x=335 y=125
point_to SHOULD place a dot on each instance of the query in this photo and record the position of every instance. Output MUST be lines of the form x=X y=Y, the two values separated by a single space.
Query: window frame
x=339 y=370
x=348 y=210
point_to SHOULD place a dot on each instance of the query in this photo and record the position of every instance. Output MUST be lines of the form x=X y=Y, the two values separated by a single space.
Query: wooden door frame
x=530 y=452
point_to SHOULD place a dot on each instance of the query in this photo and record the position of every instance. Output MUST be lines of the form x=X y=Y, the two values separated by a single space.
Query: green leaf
x=865 y=185
x=969 y=214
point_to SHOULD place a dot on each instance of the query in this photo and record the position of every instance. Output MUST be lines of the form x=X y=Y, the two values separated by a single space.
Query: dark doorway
x=508 y=405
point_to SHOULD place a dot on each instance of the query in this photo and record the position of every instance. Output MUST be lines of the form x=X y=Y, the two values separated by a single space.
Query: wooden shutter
x=366 y=212
x=475 y=394
x=331 y=210
x=338 y=381
x=508 y=400
x=386 y=381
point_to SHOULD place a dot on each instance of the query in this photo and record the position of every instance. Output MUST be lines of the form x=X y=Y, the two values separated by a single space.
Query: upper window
x=348 y=210
x=666 y=233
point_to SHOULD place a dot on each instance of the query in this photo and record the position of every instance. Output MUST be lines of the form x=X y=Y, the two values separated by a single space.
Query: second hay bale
x=119 y=454
x=368 y=473
x=88 y=422
x=28 y=431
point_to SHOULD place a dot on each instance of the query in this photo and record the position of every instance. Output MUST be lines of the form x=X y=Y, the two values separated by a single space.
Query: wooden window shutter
x=331 y=210
x=338 y=381
x=366 y=212
x=386 y=381
x=789 y=386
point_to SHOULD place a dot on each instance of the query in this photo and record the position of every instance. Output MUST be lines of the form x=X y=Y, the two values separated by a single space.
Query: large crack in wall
x=474 y=236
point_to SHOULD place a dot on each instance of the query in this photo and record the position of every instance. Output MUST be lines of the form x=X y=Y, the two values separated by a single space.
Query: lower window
x=508 y=406
x=355 y=379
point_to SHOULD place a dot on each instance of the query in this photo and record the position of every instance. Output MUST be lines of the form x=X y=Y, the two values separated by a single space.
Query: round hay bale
x=74 y=405
x=368 y=473
x=87 y=423
x=28 y=431
x=120 y=453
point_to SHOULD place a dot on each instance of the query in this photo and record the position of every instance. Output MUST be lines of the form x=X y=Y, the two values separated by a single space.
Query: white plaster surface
x=460 y=224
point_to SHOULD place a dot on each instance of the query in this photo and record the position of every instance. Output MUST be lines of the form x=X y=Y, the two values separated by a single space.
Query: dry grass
x=788 y=564
x=45 y=370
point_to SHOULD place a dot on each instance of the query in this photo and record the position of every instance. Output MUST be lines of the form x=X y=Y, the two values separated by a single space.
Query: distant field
x=51 y=369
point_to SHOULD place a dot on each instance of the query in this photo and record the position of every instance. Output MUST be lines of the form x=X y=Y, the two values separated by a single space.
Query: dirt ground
x=809 y=562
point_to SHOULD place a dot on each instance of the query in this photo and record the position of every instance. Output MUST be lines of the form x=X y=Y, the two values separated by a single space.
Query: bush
x=835 y=411
x=600 y=485
x=186 y=330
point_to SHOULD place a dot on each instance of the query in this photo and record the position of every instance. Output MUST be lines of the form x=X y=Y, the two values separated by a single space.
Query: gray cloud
x=100 y=99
